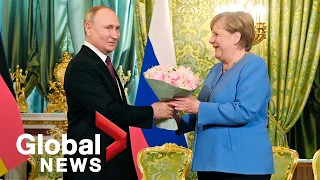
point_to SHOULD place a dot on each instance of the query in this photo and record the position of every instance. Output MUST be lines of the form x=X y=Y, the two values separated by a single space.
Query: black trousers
x=230 y=176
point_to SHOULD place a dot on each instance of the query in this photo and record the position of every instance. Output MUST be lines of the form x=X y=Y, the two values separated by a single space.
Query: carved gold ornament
x=18 y=85
x=57 y=95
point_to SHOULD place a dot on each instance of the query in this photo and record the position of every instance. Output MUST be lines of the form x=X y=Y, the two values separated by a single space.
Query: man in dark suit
x=90 y=87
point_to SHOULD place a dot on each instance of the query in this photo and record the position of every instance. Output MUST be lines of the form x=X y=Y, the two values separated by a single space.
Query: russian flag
x=159 y=50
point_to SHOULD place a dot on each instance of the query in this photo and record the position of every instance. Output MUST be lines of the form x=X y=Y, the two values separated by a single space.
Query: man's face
x=104 y=31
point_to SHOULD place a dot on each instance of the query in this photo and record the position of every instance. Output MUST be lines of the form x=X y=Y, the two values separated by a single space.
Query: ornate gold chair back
x=34 y=160
x=285 y=162
x=57 y=96
x=316 y=165
x=169 y=161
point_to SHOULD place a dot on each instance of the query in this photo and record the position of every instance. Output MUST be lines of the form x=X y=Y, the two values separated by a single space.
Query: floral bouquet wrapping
x=171 y=81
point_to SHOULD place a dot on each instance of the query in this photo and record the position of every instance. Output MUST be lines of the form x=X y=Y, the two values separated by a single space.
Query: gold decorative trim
x=44 y=122
x=57 y=95
x=294 y=154
x=260 y=32
x=19 y=79
x=61 y=126
x=58 y=131
x=168 y=147
x=124 y=79
x=315 y=163
x=32 y=161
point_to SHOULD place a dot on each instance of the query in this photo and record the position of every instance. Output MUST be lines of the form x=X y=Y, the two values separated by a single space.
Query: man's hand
x=162 y=110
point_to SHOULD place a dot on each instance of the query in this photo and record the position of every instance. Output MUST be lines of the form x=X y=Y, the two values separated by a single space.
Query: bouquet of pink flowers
x=171 y=81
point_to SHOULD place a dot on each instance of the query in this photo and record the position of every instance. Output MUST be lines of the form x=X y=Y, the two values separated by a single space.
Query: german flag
x=11 y=126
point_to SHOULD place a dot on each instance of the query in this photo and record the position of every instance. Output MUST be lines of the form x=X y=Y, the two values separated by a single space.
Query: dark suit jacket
x=89 y=87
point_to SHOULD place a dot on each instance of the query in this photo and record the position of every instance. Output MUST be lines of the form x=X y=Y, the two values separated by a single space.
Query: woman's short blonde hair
x=241 y=22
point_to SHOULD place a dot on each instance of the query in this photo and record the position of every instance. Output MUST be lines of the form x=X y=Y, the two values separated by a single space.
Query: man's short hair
x=90 y=14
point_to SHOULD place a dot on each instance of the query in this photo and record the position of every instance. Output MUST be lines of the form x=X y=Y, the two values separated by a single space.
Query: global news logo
x=86 y=147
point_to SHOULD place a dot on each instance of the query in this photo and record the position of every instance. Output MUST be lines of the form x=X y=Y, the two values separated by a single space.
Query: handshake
x=163 y=110
x=168 y=110
x=166 y=116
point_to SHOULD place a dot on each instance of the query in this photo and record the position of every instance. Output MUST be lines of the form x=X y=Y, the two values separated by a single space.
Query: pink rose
x=157 y=76
x=178 y=76
x=174 y=75
x=173 y=83
x=189 y=84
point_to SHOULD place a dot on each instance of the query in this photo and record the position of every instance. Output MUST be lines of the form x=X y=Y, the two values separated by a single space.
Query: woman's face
x=222 y=41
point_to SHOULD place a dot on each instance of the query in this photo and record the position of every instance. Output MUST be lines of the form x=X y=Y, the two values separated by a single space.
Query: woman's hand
x=188 y=104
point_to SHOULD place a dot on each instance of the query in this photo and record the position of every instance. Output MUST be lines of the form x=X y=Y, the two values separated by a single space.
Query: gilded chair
x=34 y=159
x=57 y=96
x=32 y=162
x=285 y=163
x=169 y=161
x=316 y=165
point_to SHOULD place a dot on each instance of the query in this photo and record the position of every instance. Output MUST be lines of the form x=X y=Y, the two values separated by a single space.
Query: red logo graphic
x=113 y=131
